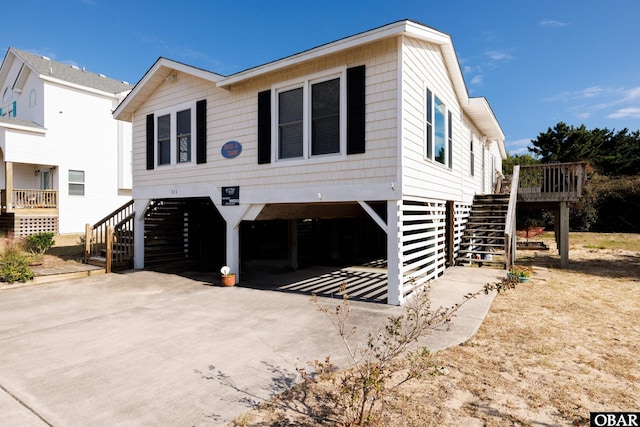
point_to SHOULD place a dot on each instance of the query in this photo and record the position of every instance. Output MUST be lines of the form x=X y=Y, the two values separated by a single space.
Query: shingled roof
x=12 y=121
x=72 y=74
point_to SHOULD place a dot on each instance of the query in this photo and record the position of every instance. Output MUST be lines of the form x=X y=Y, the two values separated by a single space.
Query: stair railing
x=113 y=231
x=510 y=223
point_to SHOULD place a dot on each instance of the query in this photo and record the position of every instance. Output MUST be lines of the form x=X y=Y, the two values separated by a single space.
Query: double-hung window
x=177 y=135
x=183 y=135
x=439 y=130
x=76 y=182
x=174 y=130
x=310 y=118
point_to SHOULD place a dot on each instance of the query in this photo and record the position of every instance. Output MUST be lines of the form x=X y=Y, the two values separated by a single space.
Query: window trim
x=306 y=84
x=429 y=151
x=172 y=112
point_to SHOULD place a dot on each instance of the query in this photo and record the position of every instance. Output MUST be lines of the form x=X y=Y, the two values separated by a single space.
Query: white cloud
x=553 y=23
x=477 y=80
x=600 y=102
x=518 y=146
x=632 y=94
x=631 y=112
x=591 y=92
x=497 y=55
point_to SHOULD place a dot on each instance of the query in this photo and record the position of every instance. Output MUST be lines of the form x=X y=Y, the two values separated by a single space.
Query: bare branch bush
x=391 y=357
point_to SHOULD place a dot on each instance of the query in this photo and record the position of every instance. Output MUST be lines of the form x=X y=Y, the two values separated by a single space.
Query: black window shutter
x=150 y=142
x=355 y=110
x=201 y=131
x=264 y=127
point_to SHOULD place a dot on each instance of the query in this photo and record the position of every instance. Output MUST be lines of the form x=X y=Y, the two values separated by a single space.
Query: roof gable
x=47 y=68
x=162 y=70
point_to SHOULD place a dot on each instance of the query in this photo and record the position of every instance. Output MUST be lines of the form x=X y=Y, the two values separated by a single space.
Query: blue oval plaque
x=231 y=149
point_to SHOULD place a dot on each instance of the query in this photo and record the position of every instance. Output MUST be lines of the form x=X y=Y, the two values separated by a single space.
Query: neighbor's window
x=76 y=183
x=439 y=132
x=309 y=119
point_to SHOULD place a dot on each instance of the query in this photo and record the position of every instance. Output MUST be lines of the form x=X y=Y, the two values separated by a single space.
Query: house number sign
x=231 y=149
x=230 y=196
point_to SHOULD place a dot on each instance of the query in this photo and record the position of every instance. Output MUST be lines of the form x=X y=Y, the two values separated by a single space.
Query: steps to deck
x=483 y=239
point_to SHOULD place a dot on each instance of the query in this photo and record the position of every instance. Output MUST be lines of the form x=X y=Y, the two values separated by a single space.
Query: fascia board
x=14 y=126
x=121 y=112
x=77 y=86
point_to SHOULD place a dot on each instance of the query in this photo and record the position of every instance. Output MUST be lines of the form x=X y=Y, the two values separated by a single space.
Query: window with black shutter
x=316 y=117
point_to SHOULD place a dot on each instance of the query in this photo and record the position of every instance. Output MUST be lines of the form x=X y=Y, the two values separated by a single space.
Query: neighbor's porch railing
x=552 y=182
x=30 y=199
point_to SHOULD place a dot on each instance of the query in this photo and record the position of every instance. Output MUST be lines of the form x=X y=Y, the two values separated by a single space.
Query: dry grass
x=548 y=353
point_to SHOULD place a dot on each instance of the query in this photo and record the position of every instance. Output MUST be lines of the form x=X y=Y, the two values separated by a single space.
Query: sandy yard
x=549 y=352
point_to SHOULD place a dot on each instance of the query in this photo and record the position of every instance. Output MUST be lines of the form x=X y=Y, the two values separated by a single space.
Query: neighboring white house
x=372 y=138
x=64 y=160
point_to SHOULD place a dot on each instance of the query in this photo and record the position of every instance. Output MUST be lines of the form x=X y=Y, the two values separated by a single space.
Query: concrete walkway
x=145 y=348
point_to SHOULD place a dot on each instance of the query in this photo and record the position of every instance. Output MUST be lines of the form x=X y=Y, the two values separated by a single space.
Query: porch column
x=140 y=206
x=564 y=234
x=233 y=249
x=394 y=275
x=8 y=185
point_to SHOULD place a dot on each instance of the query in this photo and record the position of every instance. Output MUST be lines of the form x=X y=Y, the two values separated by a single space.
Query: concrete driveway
x=145 y=348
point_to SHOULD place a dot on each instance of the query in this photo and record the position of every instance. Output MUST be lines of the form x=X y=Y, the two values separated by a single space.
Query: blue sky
x=538 y=62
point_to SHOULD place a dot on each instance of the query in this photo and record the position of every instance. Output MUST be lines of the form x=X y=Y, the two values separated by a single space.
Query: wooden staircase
x=109 y=242
x=166 y=240
x=483 y=241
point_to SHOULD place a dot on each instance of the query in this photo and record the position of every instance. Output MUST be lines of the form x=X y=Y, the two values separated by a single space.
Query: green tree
x=517 y=159
x=611 y=153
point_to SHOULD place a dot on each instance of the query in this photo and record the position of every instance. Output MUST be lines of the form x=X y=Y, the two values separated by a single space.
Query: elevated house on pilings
x=363 y=149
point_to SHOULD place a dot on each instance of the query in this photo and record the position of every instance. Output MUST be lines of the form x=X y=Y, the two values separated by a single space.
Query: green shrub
x=15 y=267
x=40 y=242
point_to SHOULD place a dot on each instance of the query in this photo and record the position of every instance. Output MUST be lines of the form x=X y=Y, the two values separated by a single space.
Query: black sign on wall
x=230 y=196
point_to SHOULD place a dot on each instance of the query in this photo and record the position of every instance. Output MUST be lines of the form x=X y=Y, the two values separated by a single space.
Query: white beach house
x=64 y=159
x=368 y=146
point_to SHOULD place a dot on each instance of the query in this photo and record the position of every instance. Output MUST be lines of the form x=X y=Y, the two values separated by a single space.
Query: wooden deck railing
x=111 y=238
x=30 y=199
x=552 y=182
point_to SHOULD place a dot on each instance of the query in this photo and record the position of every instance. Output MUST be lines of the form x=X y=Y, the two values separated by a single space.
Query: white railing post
x=510 y=223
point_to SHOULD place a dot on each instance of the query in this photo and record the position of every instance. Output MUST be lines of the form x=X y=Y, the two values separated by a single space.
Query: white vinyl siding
x=232 y=116
x=433 y=150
